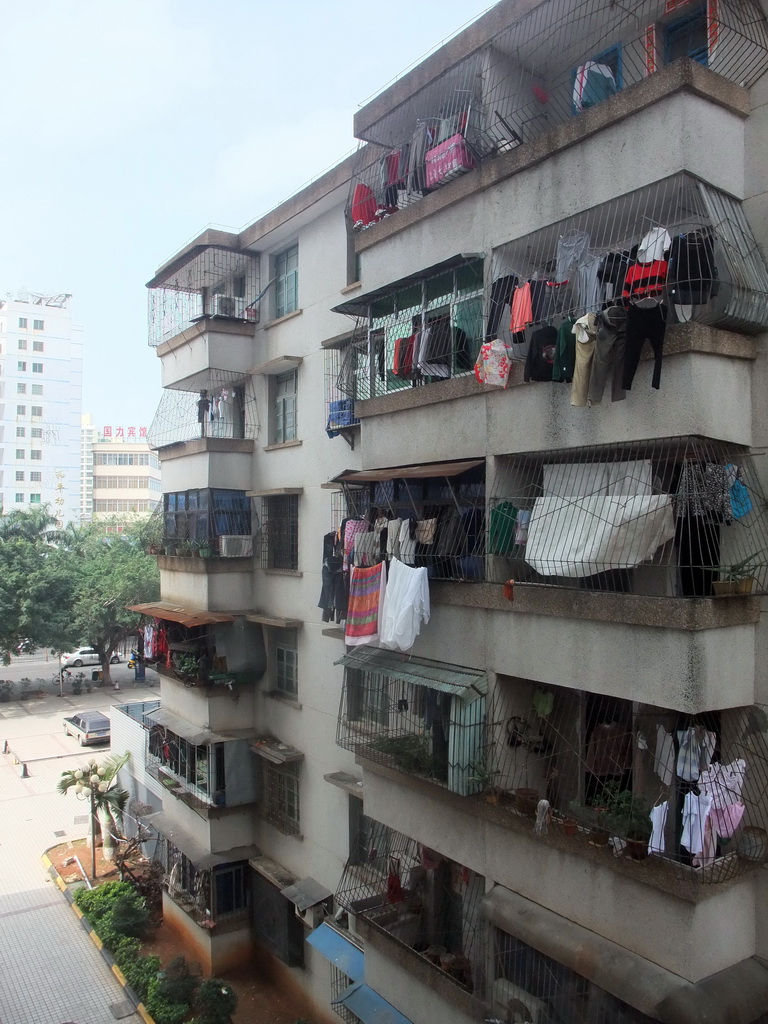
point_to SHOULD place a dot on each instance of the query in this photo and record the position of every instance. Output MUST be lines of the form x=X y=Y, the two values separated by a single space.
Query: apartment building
x=543 y=797
x=120 y=474
x=41 y=355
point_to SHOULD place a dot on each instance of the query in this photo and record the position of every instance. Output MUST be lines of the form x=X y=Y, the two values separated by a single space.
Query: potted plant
x=739 y=577
x=627 y=817
x=483 y=776
x=185 y=666
x=25 y=685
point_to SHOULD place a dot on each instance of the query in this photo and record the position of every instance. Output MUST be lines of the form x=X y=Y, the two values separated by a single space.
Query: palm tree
x=99 y=783
x=35 y=524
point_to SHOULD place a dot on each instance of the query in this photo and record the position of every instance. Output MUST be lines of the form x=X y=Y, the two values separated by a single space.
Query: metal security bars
x=425 y=901
x=690 y=790
x=281 y=797
x=208 y=281
x=675 y=517
x=391 y=716
x=339 y=408
x=280 y=532
x=212 y=403
x=696 y=239
x=553 y=64
x=415 y=332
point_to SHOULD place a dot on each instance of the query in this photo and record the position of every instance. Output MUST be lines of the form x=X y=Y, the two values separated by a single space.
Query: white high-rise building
x=41 y=386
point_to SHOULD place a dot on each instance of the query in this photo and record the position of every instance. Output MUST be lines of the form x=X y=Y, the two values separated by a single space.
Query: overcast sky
x=130 y=125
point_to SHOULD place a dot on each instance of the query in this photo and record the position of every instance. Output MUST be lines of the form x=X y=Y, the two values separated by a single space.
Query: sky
x=131 y=125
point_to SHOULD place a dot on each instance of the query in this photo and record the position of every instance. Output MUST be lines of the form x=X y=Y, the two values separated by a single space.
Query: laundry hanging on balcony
x=406 y=606
x=596 y=518
x=366 y=600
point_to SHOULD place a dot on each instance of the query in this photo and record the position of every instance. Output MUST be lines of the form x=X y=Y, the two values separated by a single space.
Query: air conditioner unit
x=228 y=305
x=513 y=1003
x=312 y=917
x=236 y=546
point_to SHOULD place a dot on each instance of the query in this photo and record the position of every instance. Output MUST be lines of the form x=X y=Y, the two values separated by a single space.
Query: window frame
x=280 y=532
x=282 y=800
x=672 y=31
x=606 y=56
x=286 y=664
x=285 y=406
x=38 y=325
x=23 y=323
x=37 y=367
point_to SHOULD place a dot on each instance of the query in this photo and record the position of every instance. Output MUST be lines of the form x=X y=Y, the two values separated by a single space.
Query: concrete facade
x=622 y=940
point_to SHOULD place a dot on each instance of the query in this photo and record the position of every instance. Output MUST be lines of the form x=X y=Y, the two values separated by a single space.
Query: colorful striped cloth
x=366 y=599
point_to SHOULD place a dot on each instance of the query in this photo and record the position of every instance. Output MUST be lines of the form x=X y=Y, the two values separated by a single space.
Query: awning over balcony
x=186 y=616
x=359 y=305
x=339 y=950
x=465 y=683
x=368 y=1006
x=202 y=858
x=306 y=893
x=427 y=471
x=193 y=733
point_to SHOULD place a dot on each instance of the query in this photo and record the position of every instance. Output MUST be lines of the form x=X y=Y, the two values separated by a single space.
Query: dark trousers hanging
x=644 y=324
x=698 y=555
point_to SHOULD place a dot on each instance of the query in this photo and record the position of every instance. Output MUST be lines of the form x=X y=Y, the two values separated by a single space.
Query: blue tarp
x=340 y=951
x=369 y=1006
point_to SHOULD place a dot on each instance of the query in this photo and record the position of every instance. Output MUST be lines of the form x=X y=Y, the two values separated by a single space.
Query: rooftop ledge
x=201 y=445
x=680 y=339
x=683 y=75
x=690 y=613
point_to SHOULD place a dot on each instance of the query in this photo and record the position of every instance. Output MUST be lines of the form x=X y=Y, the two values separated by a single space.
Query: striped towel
x=366 y=598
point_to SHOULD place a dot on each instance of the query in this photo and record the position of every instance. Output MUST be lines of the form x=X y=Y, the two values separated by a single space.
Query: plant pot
x=570 y=826
x=526 y=801
x=492 y=796
x=724 y=587
x=599 y=837
x=637 y=849
x=752 y=844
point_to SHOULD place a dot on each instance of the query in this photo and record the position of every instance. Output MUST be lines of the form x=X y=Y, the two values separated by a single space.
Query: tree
x=99 y=784
x=26 y=539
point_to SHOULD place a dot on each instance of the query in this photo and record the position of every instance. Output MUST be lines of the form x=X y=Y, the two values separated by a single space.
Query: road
x=52 y=972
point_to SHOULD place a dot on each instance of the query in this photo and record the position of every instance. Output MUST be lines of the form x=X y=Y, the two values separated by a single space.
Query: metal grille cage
x=228 y=409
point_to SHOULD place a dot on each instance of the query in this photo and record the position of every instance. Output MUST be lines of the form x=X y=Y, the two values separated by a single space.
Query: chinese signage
x=125 y=433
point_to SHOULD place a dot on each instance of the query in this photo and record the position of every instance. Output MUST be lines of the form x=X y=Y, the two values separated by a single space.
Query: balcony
x=212 y=405
x=212 y=283
x=479 y=97
x=207 y=523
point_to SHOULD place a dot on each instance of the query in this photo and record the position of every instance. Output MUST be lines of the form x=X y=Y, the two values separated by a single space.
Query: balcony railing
x=208 y=281
x=551 y=65
x=208 y=522
x=211 y=404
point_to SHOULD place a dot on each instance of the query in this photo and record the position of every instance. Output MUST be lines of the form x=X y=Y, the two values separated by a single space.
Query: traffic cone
x=24 y=774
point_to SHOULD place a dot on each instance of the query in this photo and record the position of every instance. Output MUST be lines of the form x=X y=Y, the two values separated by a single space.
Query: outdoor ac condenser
x=228 y=305
x=236 y=546
x=506 y=995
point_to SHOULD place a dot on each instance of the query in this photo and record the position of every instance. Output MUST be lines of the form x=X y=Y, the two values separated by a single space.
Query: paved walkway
x=51 y=972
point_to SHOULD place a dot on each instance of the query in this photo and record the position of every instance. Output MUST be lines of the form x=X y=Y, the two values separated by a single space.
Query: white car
x=85 y=656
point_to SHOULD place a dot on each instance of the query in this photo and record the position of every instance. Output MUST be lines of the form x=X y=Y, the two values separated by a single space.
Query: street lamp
x=90 y=781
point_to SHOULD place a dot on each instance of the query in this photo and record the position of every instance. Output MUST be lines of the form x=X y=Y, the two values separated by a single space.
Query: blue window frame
x=600 y=87
x=687 y=37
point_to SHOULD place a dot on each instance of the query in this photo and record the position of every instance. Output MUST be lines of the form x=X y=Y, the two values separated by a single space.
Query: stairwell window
x=286 y=386
x=286 y=274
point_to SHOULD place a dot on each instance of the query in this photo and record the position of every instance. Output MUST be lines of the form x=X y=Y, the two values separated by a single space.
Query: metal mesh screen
x=683 y=517
x=210 y=281
x=554 y=63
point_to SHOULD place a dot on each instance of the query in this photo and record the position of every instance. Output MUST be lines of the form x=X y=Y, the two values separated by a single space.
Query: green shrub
x=95 y=903
x=180 y=982
x=129 y=915
x=216 y=1002
x=162 y=1010
x=140 y=973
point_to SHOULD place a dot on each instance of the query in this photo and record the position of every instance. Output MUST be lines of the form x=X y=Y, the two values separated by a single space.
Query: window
x=21 y=431
x=36 y=476
x=22 y=344
x=37 y=432
x=37 y=389
x=35 y=499
x=37 y=410
x=369 y=840
x=19 y=497
x=19 y=476
x=22 y=321
x=687 y=37
x=597 y=79
x=21 y=410
x=19 y=453
x=285 y=407
x=230 y=891
x=21 y=367
x=286 y=274
x=38 y=346
x=36 y=454
x=38 y=325
x=281 y=788
x=280 y=532
x=37 y=367
x=275 y=923
x=286 y=663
